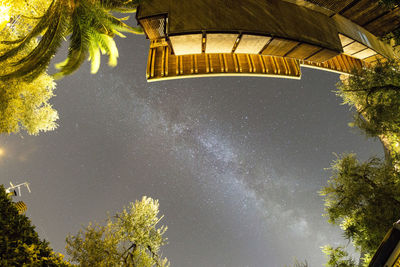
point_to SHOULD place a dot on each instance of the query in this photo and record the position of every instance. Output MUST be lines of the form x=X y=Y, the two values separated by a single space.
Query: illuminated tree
x=364 y=199
x=375 y=94
x=24 y=105
x=338 y=257
x=19 y=242
x=130 y=238
x=91 y=27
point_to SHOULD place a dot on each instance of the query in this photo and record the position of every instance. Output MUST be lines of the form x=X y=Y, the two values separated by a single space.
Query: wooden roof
x=269 y=17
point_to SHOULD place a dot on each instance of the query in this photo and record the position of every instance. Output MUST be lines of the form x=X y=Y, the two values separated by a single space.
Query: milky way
x=235 y=162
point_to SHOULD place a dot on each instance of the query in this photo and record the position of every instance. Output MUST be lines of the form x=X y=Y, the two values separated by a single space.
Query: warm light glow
x=4 y=14
x=2 y=152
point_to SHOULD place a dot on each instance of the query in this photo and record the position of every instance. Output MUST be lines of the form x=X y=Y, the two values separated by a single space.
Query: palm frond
x=38 y=59
x=40 y=26
x=78 y=49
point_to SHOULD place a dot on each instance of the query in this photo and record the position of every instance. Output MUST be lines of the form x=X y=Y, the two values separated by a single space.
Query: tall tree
x=375 y=94
x=130 y=238
x=364 y=199
x=19 y=243
x=24 y=105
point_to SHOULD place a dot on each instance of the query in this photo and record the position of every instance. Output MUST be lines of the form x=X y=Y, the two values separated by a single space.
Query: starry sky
x=236 y=162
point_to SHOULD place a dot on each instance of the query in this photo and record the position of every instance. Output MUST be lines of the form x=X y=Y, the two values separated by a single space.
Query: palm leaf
x=38 y=59
x=78 y=49
x=38 y=29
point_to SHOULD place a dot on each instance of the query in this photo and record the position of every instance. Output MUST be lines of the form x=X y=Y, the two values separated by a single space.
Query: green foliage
x=19 y=242
x=375 y=92
x=24 y=105
x=338 y=257
x=364 y=199
x=130 y=238
x=91 y=26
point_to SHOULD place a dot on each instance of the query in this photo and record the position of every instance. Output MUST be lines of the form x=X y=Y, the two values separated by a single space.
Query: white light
x=4 y=14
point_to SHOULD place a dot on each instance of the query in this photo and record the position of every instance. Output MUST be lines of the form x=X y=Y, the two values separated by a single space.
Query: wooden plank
x=249 y=62
x=221 y=63
x=177 y=64
x=192 y=64
x=225 y=63
x=345 y=40
x=167 y=53
x=148 y=69
x=336 y=64
x=364 y=11
x=384 y=24
x=163 y=61
x=152 y=62
x=253 y=61
x=323 y=55
x=196 y=68
x=211 y=63
x=279 y=47
x=235 y=62
x=207 y=63
x=277 y=67
x=288 y=72
x=220 y=42
x=260 y=58
x=364 y=53
x=251 y=44
x=334 y=5
x=303 y=51
x=353 y=48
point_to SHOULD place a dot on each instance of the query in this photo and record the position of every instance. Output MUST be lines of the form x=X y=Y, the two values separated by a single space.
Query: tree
x=19 y=242
x=338 y=257
x=91 y=27
x=130 y=238
x=375 y=94
x=364 y=199
x=24 y=105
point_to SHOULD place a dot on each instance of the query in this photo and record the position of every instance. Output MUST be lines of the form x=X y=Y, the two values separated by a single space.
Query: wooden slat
x=345 y=40
x=167 y=51
x=163 y=61
x=260 y=58
x=225 y=63
x=353 y=48
x=303 y=51
x=385 y=23
x=323 y=55
x=364 y=11
x=162 y=64
x=153 y=62
x=364 y=53
x=249 y=62
x=196 y=68
x=148 y=69
x=279 y=47
x=177 y=64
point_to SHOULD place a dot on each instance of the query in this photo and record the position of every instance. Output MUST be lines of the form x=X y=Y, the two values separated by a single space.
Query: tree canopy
x=19 y=243
x=90 y=25
x=24 y=105
x=129 y=238
x=363 y=198
x=374 y=93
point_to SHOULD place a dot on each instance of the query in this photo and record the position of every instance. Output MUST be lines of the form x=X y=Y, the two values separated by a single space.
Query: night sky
x=236 y=162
